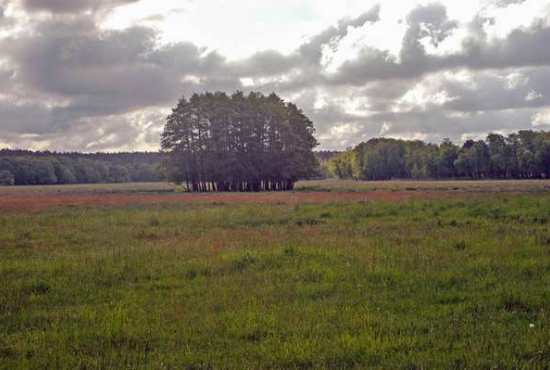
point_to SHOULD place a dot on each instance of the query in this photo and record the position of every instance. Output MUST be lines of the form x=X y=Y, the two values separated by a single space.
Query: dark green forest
x=24 y=167
x=217 y=142
x=521 y=155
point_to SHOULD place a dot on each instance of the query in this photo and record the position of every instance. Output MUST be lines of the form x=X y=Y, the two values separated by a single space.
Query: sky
x=102 y=75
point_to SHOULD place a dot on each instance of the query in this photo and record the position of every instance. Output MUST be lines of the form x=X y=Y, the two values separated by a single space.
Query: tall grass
x=461 y=283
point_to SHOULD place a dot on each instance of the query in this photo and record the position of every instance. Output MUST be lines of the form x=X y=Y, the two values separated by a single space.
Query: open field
x=41 y=197
x=334 y=275
x=426 y=185
x=331 y=185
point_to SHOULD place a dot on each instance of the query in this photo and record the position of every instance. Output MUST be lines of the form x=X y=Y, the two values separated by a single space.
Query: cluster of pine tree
x=522 y=155
x=217 y=142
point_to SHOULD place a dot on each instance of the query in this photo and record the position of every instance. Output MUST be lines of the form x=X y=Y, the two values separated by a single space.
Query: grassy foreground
x=448 y=283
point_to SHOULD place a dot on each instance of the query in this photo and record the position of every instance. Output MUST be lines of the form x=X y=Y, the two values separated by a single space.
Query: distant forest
x=24 y=167
x=521 y=155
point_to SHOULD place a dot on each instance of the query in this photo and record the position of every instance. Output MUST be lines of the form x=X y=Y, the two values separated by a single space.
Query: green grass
x=329 y=185
x=450 y=283
x=425 y=185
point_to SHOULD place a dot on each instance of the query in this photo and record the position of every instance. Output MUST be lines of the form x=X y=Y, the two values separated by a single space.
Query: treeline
x=238 y=142
x=23 y=167
x=323 y=158
x=522 y=155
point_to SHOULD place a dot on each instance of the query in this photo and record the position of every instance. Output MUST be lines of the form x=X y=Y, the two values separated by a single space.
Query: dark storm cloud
x=76 y=59
x=72 y=6
x=522 y=47
x=438 y=123
x=6 y=78
x=24 y=118
x=265 y=63
x=493 y=92
x=96 y=77
x=383 y=94
x=425 y=21
x=110 y=72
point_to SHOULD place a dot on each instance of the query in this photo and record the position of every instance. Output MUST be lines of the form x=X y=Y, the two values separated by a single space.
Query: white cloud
x=515 y=80
x=541 y=118
x=344 y=130
x=513 y=16
x=430 y=91
x=533 y=95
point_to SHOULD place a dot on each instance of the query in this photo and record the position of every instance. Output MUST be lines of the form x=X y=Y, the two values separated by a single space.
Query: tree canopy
x=24 y=167
x=217 y=142
x=521 y=155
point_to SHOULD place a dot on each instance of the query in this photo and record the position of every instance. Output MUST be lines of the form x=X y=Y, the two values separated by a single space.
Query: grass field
x=335 y=275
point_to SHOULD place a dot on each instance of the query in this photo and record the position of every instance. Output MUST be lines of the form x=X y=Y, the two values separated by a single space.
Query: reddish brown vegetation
x=42 y=201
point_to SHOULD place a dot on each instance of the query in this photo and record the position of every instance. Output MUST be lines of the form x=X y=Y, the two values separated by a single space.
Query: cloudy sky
x=93 y=75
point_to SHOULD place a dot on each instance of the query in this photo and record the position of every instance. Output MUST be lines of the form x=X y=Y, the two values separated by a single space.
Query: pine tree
x=215 y=142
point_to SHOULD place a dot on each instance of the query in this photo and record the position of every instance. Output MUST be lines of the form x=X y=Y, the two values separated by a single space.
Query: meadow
x=335 y=275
